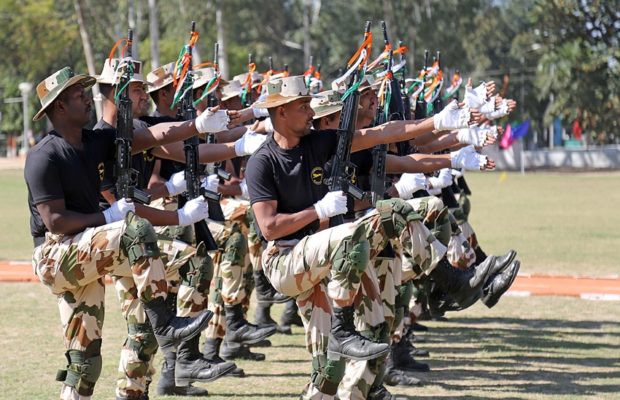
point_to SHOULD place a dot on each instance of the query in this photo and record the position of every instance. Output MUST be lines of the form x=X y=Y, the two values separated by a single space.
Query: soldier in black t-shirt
x=289 y=200
x=182 y=259
x=76 y=244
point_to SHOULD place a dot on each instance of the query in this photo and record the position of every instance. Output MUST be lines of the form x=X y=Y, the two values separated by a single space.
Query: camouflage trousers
x=233 y=281
x=303 y=269
x=390 y=272
x=136 y=365
x=73 y=268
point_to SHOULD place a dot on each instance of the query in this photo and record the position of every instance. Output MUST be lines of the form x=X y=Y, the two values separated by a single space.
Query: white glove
x=434 y=191
x=268 y=125
x=467 y=158
x=260 y=112
x=408 y=184
x=334 y=203
x=176 y=184
x=452 y=117
x=193 y=211
x=444 y=179
x=212 y=122
x=472 y=135
x=502 y=111
x=249 y=143
x=488 y=106
x=489 y=131
x=244 y=190
x=457 y=173
x=475 y=98
x=211 y=182
x=118 y=210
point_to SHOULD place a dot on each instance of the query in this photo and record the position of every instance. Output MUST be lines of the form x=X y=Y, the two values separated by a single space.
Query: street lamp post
x=25 y=88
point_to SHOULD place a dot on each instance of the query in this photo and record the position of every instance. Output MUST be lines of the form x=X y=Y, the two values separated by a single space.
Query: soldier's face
x=76 y=105
x=298 y=117
x=330 y=121
x=140 y=102
x=367 y=107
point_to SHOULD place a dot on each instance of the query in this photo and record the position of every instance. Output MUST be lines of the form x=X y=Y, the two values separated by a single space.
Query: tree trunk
x=307 y=11
x=221 y=39
x=88 y=53
x=154 y=33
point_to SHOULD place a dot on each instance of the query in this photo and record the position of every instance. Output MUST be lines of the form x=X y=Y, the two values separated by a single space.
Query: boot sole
x=183 y=382
x=332 y=355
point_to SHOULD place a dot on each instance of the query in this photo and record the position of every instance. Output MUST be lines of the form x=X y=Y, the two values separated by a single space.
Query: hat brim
x=153 y=87
x=230 y=96
x=86 y=80
x=276 y=100
x=329 y=110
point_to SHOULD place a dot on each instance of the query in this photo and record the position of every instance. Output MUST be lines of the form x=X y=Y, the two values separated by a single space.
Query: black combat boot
x=169 y=329
x=212 y=354
x=381 y=393
x=501 y=262
x=192 y=367
x=236 y=351
x=394 y=377
x=465 y=287
x=265 y=292
x=240 y=331
x=166 y=385
x=401 y=358
x=493 y=290
x=345 y=341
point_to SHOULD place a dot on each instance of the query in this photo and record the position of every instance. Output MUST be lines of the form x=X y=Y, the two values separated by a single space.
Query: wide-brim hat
x=326 y=103
x=256 y=78
x=205 y=75
x=283 y=91
x=369 y=82
x=113 y=70
x=50 y=88
x=160 y=77
x=230 y=90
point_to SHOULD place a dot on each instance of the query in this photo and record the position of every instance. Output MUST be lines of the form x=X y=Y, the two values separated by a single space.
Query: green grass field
x=559 y=223
x=524 y=348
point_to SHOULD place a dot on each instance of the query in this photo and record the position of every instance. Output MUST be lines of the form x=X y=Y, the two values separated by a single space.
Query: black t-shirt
x=168 y=167
x=56 y=170
x=293 y=177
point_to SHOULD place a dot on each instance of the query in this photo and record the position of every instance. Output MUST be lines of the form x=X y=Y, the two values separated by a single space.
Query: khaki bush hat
x=160 y=77
x=326 y=103
x=230 y=90
x=283 y=91
x=203 y=76
x=50 y=88
x=256 y=78
x=111 y=73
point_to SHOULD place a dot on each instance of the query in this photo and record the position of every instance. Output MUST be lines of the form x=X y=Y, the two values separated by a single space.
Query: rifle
x=246 y=94
x=126 y=177
x=438 y=103
x=420 y=108
x=191 y=156
x=403 y=90
x=340 y=177
x=212 y=101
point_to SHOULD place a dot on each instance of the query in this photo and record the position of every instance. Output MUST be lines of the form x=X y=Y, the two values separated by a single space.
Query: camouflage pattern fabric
x=73 y=267
x=136 y=367
x=302 y=269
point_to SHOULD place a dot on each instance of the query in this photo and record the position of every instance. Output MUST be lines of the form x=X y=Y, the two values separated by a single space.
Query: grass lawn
x=559 y=223
x=524 y=348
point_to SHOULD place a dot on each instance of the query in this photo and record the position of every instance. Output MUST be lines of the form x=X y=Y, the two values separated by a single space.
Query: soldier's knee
x=352 y=255
x=395 y=214
x=141 y=340
x=83 y=369
x=235 y=248
x=139 y=239
x=327 y=374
